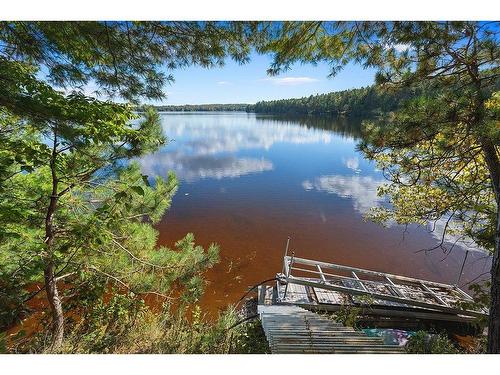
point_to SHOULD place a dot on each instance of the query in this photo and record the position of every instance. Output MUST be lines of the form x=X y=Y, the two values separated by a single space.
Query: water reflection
x=352 y=164
x=249 y=181
x=190 y=167
x=446 y=232
x=350 y=128
x=209 y=146
x=361 y=190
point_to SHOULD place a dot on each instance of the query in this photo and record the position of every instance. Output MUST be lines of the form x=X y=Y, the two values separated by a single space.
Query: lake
x=249 y=181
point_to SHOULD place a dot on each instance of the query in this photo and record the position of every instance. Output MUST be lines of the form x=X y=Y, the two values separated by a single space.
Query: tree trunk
x=55 y=306
x=493 y=163
x=49 y=270
x=494 y=321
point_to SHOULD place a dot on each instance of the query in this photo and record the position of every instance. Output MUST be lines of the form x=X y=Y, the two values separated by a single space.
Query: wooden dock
x=327 y=286
x=289 y=309
x=293 y=330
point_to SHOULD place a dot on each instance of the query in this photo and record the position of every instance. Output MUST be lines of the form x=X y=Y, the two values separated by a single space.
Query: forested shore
x=365 y=101
x=241 y=107
x=361 y=102
x=79 y=244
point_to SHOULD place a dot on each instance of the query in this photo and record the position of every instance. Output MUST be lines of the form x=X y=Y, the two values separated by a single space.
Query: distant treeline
x=203 y=107
x=366 y=101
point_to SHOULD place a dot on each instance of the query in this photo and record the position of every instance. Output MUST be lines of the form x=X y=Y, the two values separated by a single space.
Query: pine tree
x=445 y=144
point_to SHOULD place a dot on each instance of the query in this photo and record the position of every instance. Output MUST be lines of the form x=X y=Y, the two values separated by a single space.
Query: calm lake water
x=249 y=181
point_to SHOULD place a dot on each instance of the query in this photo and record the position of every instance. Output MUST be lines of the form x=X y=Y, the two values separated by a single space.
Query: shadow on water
x=346 y=127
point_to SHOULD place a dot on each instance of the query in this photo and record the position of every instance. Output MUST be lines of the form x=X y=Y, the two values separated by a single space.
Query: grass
x=125 y=326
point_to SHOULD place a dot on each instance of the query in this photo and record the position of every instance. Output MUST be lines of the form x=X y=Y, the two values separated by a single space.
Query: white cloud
x=223 y=134
x=399 y=47
x=223 y=83
x=290 y=81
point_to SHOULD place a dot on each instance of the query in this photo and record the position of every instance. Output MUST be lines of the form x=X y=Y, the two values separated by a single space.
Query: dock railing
x=404 y=290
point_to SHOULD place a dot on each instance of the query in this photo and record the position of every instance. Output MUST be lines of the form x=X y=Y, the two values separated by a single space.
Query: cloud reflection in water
x=362 y=190
x=208 y=147
x=193 y=167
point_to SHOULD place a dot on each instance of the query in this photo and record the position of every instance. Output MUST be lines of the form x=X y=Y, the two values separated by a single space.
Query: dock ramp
x=291 y=329
x=293 y=311
x=314 y=284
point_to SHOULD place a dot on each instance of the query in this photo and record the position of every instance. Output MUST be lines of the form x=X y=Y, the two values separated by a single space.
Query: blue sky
x=249 y=83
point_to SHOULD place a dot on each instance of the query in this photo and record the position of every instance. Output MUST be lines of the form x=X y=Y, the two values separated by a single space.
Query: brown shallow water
x=248 y=182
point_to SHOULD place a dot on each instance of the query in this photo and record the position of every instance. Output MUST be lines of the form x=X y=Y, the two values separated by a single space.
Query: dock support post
x=286 y=253
x=462 y=269
x=288 y=273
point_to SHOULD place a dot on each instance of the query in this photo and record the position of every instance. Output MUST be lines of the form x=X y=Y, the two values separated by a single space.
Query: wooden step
x=292 y=329
x=340 y=340
x=304 y=333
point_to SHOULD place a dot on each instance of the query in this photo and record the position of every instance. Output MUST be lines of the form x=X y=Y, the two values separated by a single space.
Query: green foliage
x=199 y=336
x=367 y=102
x=438 y=174
x=123 y=58
x=481 y=301
x=125 y=325
x=204 y=107
x=73 y=203
x=401 y=51
x=347 y=315
x=3 y=343
x=105 y=207
x=250 y=339
x=425 y=343
x=102 y=324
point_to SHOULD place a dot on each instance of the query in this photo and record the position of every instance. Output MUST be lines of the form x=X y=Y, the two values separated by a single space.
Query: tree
x=441 y=151
x=124 y=59
x=366 y=102
x=74 y=207
x=76 y=212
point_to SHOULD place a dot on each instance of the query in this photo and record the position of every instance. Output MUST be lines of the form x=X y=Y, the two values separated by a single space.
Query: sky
x=249 y=83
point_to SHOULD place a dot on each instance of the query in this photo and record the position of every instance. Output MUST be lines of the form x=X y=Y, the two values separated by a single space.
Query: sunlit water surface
x=249 y=181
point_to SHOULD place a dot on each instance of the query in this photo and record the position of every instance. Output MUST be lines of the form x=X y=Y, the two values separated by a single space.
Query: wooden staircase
x=291 y=329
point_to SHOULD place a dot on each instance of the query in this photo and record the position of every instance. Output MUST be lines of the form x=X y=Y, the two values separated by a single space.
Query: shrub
x=124 y=324
x=250 y=339
x=424 y=343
